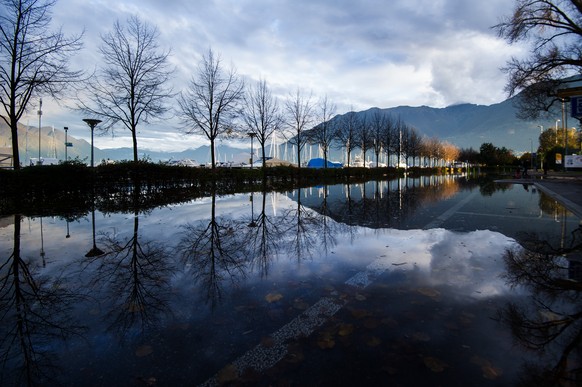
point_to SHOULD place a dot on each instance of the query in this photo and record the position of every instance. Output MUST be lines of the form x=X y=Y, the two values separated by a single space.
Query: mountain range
x=464 y=125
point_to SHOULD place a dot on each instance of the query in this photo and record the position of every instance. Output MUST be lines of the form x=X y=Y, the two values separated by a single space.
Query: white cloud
x=361 y=54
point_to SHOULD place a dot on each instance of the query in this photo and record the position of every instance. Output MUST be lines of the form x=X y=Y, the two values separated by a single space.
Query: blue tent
x=319 y=163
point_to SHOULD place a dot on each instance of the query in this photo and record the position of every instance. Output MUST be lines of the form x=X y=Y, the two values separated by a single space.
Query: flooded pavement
x=428 y=281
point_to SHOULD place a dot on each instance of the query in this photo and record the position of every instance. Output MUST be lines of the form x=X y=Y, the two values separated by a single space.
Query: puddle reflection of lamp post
x=252 y=223
x=95 y=251
x=252 y=136
x=92 y=123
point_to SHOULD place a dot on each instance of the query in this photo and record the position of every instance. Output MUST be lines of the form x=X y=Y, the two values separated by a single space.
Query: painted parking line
x=261 y=358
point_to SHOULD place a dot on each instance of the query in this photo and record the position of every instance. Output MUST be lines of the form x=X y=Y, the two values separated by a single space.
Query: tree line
x=131 y=86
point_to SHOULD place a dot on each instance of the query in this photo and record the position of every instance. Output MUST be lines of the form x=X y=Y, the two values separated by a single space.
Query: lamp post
x=531 y=153
x=540 y=147
x=66 y=143
x=252 y=136
x=39 y=121
x=92 y=123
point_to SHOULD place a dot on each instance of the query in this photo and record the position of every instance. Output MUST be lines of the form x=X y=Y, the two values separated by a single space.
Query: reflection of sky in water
x=458 y=262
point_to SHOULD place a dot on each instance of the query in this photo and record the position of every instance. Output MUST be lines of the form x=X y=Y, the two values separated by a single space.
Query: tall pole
x=66 y=143
x=39 y=125
x=252 y=135
x=540 y=147
x=565 y=134
x=92 y=123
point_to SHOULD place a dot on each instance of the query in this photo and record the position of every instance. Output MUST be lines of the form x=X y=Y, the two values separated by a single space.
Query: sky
x=361 y=54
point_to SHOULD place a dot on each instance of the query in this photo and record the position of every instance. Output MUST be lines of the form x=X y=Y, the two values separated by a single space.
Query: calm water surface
x=406 y=282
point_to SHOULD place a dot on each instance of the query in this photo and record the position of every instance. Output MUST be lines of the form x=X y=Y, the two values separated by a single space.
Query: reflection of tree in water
x=552 y=322
x=301 y=225
x=135 y=274
x=262 y=238
x=214 y=252
x=379 y=204
x=34 y=313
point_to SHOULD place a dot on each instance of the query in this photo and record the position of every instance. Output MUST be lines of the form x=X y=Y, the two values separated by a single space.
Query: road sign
x=69 y=144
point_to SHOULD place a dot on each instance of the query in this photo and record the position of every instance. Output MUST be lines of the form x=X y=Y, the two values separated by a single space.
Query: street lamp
x=66 y=143
x=541 y=152
x=252 y=136
x=557 y=130
x=92 y=123
x=39 y=120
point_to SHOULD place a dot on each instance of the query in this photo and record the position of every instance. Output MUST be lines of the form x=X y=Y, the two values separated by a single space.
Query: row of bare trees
x=131 y=87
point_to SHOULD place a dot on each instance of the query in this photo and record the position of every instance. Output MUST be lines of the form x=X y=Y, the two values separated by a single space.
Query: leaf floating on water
x=294 y=354
x=144 y=350
x=273 y=297
x=267 y=342
x=227 y=375
x=360 y=297
x=325 y=341
x=489 y=370
x=420 y=336
x=373 y=341
x=346 y=329
x=360 y=313
x=434 y=364
x=429 y=292
x=371 y=323
x=491 y=373
x=299 y=304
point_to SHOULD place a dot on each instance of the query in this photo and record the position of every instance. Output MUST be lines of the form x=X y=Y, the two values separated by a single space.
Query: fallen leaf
x=346 y=329
x=267 y=342
x=371 y=323
x=490 y=372
x=227 y=374
x=360 y=313
x=420 y=336
x=434 y=364
x=273 y=297
x=429 y=292
x=300 y=304
x=325 y=341
x=294 y=354
x=373 y=341
x=144 y=350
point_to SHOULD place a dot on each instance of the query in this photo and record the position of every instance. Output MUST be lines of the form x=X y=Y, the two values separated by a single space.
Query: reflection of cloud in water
x=469 y=262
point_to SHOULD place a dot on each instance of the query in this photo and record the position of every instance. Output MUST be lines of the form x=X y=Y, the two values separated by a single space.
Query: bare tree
x=388 y=137
x=346 y=133
x=33 y=59
x=261 y=114
x=413 y=144
x=323 y=134
x=365 y=139
x=131 y=87
x=299 y=109
x=210 y=103
x=554 y=27
x=378 y=122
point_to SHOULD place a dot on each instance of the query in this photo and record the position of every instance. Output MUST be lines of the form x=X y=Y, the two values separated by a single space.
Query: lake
x=440 y=280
